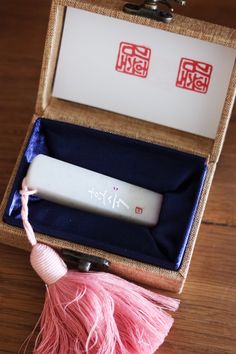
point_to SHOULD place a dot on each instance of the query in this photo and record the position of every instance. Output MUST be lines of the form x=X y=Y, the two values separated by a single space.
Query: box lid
x=176 y=81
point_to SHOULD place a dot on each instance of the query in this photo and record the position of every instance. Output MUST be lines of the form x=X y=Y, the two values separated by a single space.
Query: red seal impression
x=194 y=75
x=138 y=210
x=133 y=59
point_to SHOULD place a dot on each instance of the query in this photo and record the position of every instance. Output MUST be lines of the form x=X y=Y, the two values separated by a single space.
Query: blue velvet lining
x=177 y=175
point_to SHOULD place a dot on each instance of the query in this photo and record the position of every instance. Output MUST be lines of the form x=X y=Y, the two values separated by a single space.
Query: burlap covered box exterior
x=52 y=108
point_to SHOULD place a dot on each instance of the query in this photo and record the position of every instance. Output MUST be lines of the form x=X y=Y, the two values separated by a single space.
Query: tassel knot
x=47 y=264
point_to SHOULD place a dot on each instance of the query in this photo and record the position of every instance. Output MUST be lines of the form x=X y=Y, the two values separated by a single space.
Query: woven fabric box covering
x=141 y=130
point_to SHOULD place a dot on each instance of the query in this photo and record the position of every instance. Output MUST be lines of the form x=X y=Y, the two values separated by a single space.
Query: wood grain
x=206 y=321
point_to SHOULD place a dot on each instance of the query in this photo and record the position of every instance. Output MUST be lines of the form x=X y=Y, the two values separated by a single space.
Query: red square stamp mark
x=194 y=75
x=138 y=210
x=133 y=59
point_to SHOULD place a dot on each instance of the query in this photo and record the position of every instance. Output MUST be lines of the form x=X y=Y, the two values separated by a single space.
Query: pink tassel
x=95 y=312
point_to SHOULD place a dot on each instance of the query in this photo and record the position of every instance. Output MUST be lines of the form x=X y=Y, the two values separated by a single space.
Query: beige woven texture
x=53 y=108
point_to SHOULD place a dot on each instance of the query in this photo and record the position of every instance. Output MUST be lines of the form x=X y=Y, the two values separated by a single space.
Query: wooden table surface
x=206 y=321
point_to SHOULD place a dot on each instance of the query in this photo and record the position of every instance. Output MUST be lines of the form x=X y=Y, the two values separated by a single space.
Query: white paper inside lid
x=146 y=73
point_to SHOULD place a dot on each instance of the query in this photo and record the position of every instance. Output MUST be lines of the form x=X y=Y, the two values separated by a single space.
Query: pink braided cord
x=25 y=193
x=45 y=261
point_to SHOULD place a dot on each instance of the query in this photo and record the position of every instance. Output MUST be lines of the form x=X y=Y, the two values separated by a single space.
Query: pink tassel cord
x=95 y=313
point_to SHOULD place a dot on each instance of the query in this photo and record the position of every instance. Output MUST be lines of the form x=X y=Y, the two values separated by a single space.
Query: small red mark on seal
x=133 y=59
x=194 y=75
x=138 y=210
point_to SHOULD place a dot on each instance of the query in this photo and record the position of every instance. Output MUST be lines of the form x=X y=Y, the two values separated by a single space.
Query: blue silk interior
x=178 y=176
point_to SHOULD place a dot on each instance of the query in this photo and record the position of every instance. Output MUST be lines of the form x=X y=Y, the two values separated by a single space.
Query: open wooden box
x=151 y=132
